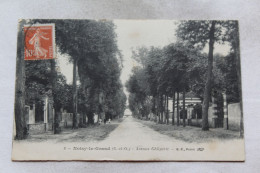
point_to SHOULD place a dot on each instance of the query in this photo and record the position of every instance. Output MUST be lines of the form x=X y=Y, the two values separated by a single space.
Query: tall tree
x=20 y=121
x=99 y=71
x=137 y=85
x=199 y=33
x=54 y=95
x=164 y=71
x=183 y=108
x=176 y=67
x=167 y=109
x=173 y=107
x=178 y=108
x=74 y=93
x=69 y=32
x=95 y=48
x=207 y=91
x=232 y=36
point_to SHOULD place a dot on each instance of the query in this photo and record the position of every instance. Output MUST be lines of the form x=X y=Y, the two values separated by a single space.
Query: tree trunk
x=157 y=109
x=167 y=108
x=101 y=103
x=183 y=108
x=84 y=115
x=99 y=108
x=164 y=109
x=238 y=68
x=146 y=113
x=161 y=108
x=75 y=124
x=84 y=118
x=178 y=112
x=56 y=108
x=20 y=121
x=207 y=91
x=90 y=116
x=173 y=107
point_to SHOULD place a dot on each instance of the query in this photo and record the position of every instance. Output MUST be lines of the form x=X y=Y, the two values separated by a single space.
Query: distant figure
x=105 y=121
x=99 y=121
x=109 y=121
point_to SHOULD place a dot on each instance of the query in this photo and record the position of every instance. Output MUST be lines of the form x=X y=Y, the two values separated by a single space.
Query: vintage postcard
x=128 y=90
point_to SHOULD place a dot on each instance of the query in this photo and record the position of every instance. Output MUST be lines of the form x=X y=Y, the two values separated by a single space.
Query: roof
x=189 y=95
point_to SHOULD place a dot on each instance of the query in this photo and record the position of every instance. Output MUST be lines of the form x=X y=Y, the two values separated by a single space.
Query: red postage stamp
x=39 y=41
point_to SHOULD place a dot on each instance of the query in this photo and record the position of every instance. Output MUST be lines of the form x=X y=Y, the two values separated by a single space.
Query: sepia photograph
x=128 y=90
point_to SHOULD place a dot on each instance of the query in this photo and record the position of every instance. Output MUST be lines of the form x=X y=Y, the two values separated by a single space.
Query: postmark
x=39 y=42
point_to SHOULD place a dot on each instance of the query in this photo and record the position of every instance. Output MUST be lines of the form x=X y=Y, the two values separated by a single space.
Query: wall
x=36 y=128
x=66 y=119
x=211 y=116
x=234 y=114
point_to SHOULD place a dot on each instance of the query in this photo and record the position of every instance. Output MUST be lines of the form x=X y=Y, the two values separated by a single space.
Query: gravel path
x=131 y=131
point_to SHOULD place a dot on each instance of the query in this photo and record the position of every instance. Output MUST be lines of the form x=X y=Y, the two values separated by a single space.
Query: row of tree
x=97 y=63
x=182 y=66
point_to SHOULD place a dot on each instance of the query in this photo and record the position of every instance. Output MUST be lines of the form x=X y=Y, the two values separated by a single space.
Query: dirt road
x=131 y=131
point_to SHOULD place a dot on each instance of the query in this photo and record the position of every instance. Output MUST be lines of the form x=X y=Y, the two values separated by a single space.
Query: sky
x=136 y=33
